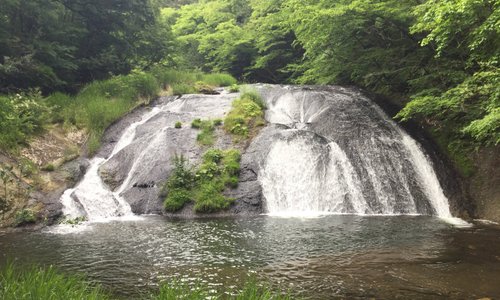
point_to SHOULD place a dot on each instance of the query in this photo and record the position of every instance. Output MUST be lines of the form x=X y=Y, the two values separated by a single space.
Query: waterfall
x=141 y=160
x=91 y=198
x=327 y=150
x=339 y=153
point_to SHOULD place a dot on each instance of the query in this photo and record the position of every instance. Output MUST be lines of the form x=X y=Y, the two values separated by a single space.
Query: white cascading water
x=307 y=172
x=338 y=153
x=96 y=201
x=142 y=147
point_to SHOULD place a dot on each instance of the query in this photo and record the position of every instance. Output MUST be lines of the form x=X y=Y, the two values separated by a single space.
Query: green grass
x=29 y=283
x=234 y=88
x=176 y=290
x=218 y=79
x=207 y=135
x=96 y=106
x=19 y=282
x=205 y=185
x=183 y=88
x=196 y=123
x=246 y=115
x=251 y=291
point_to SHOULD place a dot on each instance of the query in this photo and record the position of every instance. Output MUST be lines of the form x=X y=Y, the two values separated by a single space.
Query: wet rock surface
x=140 y=169
x=325 y=117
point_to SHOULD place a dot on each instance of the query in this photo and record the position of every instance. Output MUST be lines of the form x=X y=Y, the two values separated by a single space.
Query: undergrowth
x=205 y=185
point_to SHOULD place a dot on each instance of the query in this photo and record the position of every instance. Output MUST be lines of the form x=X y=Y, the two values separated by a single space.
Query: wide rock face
x=140 y=168
x=324 y=150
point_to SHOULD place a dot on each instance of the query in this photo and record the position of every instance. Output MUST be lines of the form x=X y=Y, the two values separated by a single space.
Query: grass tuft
x=35 y=282
x=246 y=115
x=207 y=135
x=26 y=283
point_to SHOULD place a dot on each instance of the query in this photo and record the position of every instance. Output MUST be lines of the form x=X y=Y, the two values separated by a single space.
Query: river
x=336 y=256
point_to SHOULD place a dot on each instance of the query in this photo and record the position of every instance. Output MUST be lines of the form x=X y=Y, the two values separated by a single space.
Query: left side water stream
x=318 y=258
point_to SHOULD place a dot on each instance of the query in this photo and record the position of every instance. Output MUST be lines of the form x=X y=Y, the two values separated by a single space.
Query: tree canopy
x=438 y=59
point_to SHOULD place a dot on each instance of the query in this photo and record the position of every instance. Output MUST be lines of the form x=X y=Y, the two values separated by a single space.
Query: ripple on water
x=348 y=256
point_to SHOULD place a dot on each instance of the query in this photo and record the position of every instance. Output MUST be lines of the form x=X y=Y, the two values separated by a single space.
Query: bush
x=234 y=88
x=203 y=88
x=25 y=216
x=21 y=116
x=218 y=122
x=178 y=186
x=182 y=176
x=196 y=123
x=219 y=169
x=254 y=96
x=178 y=124
x=176 y=199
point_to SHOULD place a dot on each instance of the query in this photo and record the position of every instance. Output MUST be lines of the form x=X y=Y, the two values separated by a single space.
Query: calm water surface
x=320 y=258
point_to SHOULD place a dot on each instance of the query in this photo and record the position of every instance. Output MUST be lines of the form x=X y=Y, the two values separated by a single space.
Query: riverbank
x=47 y=283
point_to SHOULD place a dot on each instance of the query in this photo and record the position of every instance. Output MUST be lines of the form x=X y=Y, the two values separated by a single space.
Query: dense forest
x=437 y=59
x=94 y=131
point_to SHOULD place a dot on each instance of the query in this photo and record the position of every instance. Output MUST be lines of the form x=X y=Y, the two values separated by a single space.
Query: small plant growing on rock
x=246 y=115
x=206 y=136
x=196 y=123
x=178 y=124
x=73 y=222
x=179 y=185
x=217 y=122
x=234 y=88
x=204 y=88
x=25 y=216
x=49 y=168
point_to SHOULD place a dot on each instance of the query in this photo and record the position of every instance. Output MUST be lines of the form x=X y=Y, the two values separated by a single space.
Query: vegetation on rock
x=204 y=185
x=246 y=115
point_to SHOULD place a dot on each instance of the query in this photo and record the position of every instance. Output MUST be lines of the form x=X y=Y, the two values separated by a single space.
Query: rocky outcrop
x=484 y=184
x=335 y=120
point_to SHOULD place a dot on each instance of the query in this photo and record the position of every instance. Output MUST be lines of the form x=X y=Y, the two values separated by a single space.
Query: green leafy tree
x=467 y=32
